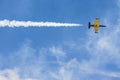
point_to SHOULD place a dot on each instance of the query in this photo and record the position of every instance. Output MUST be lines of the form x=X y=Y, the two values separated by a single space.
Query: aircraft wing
x=102 y=25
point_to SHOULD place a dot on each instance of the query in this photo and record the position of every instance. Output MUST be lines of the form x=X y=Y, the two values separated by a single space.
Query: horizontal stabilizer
x=89 y=25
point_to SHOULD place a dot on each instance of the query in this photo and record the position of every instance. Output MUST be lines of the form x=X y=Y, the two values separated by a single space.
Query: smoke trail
x=14 y=23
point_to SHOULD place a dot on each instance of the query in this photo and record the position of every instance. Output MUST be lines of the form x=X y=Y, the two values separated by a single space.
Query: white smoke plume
x=14 y=23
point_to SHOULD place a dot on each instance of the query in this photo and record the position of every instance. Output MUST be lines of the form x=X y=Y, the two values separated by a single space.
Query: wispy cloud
x=14 y=23
x=33 y=64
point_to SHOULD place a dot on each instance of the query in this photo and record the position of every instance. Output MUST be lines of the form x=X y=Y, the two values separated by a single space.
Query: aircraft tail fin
x=89 y=24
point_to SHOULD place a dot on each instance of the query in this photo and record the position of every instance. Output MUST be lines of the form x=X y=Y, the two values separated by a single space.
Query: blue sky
x=74 y=53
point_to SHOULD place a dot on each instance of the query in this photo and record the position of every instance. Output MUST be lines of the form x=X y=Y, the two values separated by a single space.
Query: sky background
x=74 y=53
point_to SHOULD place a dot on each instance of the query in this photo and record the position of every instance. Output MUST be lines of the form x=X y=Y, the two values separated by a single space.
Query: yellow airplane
x=95 y=25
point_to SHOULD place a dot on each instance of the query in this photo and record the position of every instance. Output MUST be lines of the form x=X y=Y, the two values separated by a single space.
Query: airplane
x=96 y=25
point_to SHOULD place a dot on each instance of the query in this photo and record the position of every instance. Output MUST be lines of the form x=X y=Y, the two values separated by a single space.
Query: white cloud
x=12 y=74
x=9 y=74
x=59 y=53
x=34 y=68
